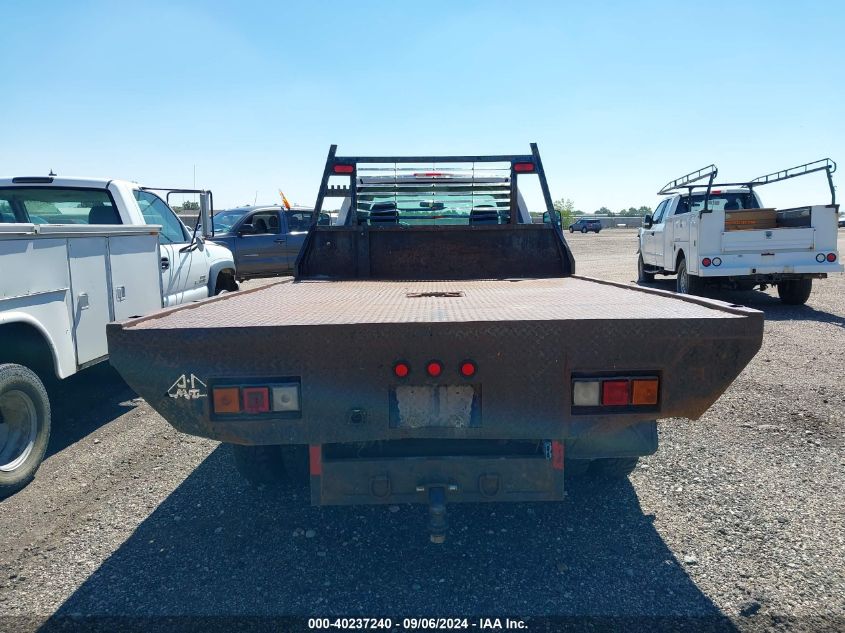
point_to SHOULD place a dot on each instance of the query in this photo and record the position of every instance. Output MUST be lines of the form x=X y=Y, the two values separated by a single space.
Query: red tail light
x=522 y=168
x=434 y=368
x=256 y=399
x=614 y=392
x=401 y=370
x=706 y=262
x=344 y=169
x=831 y=257
x=468 y=369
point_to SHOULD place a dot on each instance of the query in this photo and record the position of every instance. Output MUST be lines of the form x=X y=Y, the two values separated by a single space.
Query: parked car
x=264 y=239
x=585 y=226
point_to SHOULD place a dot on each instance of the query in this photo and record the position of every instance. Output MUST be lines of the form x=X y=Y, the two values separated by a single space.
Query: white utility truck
x=74 y=255
x=721 y=234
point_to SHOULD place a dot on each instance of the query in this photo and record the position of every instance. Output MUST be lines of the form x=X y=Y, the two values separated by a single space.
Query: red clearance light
x=434 y=368
x=614 y=392
x=401 y=370
x=468 y=369
x=716 y=191
x=344 y=169
x=706 y=262
x=523 y=167
x=256 y=399
x=831 y=257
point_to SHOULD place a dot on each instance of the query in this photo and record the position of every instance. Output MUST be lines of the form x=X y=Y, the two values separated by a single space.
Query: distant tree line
x=568 y=212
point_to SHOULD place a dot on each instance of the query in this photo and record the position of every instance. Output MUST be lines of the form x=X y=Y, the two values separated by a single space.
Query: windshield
x=225 y=220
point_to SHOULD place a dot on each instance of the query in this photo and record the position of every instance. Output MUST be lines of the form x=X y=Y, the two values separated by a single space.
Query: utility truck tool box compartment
x=750 y=219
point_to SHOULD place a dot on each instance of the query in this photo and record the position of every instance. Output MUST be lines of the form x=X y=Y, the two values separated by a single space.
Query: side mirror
x=648 y=221
x=246 y=229
x=205 y=213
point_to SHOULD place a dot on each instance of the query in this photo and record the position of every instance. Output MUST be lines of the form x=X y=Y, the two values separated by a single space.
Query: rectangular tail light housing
x=257 y=398
x=599 y=394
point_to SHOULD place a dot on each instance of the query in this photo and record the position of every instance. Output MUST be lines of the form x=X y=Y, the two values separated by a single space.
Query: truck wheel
x=642 y=275
x=225 y=283
x=795 y=292
x=24 y=426
x=272 y=465
x=686 y=284
x=614 y=467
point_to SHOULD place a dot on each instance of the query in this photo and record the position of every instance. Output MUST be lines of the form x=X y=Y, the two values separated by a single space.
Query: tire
x=571 y=230
x=642 y=275
x=613 y=468
x=795 y=292
x=685 y=283
x=225 y=283
x=24 y=426
x=583 y=229
x=271 y=465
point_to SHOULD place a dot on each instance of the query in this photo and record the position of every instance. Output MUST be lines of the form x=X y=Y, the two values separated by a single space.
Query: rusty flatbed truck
x=435 y=346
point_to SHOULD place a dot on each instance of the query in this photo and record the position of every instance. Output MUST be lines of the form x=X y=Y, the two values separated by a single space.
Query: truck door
x=652 y=238
x=298 y=223
x=261 y=244
x=677 y=232
x=184 y=271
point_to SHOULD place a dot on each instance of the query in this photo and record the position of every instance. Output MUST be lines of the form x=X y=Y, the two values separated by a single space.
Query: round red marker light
x=434 y=368
x=401 y=369
x=468 y=369
x=831 y=257
x=706 y=262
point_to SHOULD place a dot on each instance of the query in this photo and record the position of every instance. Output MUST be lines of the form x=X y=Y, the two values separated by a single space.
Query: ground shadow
x=84 y=402
x=215 y=547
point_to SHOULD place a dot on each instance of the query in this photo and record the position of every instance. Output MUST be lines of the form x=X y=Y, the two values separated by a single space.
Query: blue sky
x=620 y=96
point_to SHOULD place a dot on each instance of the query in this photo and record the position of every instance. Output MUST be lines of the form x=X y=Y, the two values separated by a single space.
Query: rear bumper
x=749 y=265
x=525 y=371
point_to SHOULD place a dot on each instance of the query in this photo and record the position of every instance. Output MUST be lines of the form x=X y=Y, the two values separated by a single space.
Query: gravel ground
x=738 y=520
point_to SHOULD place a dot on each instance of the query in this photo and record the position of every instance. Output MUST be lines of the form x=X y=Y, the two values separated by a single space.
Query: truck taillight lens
x=831 y=257
x=468 y=369
x=614 y=392
x=629 y=392
x=434 y=368
x=644 y=391
x=256 y=399
x=226 y=400
x=523 y=168
x=343 y=169
x=706 y=262
x=401 y=369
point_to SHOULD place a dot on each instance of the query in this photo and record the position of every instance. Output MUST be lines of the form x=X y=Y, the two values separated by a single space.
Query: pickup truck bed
x=527 y=337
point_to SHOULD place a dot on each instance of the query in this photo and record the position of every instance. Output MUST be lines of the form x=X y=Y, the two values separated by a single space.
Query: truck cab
x=191 y=268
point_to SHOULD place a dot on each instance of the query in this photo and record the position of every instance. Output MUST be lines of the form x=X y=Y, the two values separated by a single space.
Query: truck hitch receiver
x=437 y=514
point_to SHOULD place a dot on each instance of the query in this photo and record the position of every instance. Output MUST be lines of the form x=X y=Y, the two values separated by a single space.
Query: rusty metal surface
x=526 y=343
x=312 y=303
x=475 y=479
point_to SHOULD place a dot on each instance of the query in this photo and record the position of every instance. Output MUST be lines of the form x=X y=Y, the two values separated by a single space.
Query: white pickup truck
x=74 y=255
x=721 y=234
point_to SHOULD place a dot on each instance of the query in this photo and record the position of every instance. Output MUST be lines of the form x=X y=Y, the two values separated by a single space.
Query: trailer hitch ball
x=437 y=514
